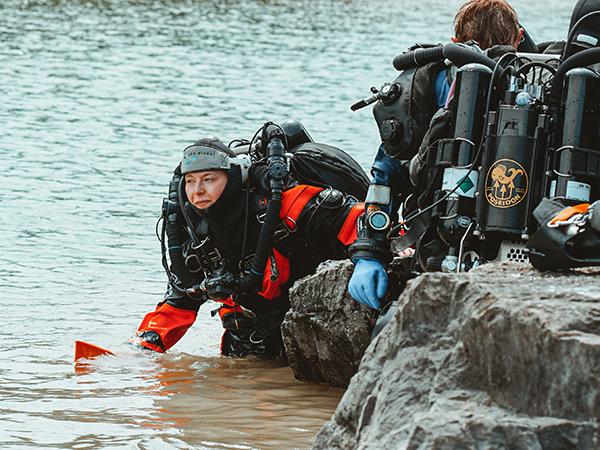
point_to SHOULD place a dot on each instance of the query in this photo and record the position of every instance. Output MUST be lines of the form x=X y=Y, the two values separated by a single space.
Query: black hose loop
x=581 y=59
x=461 y=55
x=418 y=57
x=251 y=281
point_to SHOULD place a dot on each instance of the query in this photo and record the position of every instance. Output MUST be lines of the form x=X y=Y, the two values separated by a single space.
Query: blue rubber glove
x=369 y=283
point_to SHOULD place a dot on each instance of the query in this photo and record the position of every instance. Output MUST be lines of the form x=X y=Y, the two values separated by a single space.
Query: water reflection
x=214 y=402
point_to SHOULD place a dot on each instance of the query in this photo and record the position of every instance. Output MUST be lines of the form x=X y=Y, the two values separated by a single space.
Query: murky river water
x=97 y=99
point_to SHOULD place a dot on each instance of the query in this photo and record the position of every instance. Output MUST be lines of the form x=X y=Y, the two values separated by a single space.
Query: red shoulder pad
x=293 y=202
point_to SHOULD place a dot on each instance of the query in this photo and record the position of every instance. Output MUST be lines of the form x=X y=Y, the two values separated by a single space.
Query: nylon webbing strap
x=418 y=226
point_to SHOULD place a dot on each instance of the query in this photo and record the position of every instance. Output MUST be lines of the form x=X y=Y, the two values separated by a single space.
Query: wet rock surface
x=502 y=357
x=325 y=332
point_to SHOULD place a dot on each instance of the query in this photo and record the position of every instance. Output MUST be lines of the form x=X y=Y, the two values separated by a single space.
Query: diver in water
x=489 y=24
x=219 y=205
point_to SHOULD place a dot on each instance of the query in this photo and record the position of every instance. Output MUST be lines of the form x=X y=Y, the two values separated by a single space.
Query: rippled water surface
x=97 y=100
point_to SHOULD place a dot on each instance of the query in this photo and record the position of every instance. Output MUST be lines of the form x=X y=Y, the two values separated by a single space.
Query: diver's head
x=584 y=31
x=204 y=188
x=206 y=165
x=488 y=22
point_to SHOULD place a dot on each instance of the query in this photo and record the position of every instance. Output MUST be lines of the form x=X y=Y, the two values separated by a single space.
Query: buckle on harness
x=212 y=255
x=284 y=231
x=572 y=220
x=281 y=232
x=578 y=220
x=262 y=337
x=200 y=258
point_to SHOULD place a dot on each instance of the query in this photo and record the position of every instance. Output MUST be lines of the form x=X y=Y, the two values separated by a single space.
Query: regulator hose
x=251 y=281
x=418 y=57
x=172 y=237
x=274 y=136
x=459 y=54
x=580 y=59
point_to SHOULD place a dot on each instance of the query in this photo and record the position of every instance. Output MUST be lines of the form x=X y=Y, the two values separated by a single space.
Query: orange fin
x=89 y=351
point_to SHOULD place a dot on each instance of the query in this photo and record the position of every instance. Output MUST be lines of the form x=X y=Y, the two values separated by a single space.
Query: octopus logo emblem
x=506 y=184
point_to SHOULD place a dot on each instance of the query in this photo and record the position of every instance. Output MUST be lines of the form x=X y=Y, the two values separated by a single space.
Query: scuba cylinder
x=456 y=157
x=569 y=228
x=579 y=154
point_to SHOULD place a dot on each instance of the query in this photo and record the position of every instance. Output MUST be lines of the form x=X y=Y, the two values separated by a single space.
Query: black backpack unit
x=314 y=163
x=326 y=166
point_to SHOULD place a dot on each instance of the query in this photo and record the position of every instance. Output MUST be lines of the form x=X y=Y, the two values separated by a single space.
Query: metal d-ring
x=253 y=341
x=557 y=152
x=286 y=225
x=462 y=246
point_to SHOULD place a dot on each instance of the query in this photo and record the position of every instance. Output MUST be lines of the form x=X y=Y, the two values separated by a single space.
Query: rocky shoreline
x=502 y=357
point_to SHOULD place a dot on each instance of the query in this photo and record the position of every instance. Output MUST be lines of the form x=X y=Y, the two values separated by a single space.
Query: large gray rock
x=325 y=332
x=502 y=357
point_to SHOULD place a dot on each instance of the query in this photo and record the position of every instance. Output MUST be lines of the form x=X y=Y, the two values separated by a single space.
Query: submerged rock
x=502 y=357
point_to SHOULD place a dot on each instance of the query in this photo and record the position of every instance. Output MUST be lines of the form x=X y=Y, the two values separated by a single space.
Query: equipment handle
x=365 y=102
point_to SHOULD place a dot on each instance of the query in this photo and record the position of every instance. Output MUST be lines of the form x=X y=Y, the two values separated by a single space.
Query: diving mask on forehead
x=197 y=158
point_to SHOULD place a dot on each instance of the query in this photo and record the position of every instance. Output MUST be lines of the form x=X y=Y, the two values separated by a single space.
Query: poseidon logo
x=506 y=183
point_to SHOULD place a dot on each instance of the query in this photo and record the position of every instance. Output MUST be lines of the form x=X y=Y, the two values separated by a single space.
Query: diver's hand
x=148 y=340
x=369 y=282
x=219 y=287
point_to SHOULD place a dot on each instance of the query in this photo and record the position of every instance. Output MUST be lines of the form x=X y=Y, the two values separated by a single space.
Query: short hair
x=489 y=22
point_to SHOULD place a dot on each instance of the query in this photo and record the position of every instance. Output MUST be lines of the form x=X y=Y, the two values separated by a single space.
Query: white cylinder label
x=575 y=190
x=467 y=185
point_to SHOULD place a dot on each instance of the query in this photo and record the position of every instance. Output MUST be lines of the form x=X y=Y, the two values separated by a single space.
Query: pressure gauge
x=379 y=221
